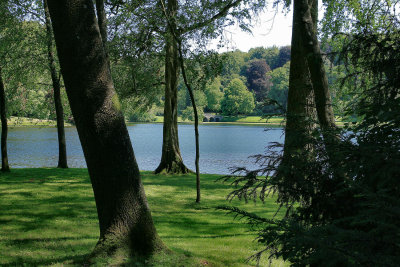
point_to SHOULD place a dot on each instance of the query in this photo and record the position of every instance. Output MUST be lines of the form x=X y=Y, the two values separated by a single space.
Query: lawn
x=239 y=119
x=25 y=122
x=48 y=217
x=253 y=119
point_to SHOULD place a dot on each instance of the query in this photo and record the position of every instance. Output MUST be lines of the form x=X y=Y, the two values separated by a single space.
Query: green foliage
x=188 y=114
x=24 y=58
x=139 y=113
x=184 y=99
x=201 y=101
x=284 y=56
x=270 y=55
x=233 y=63
x=280 y=87
x=214 y=95
x=237 y=99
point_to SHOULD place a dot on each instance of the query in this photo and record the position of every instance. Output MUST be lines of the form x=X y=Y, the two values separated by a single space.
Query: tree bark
x=4 y=127
x=316 y=65
x=102 y=21
x=124 y=216
x=171 y=159
x=300 y=120
x=62 y=149
x=323 y=102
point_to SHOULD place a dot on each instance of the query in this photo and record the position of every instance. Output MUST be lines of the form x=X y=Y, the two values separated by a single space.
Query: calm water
x=221 y=146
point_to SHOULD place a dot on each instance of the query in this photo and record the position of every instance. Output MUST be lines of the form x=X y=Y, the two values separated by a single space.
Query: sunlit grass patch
x=23 y=121
x=48 y=217
x=253 y=119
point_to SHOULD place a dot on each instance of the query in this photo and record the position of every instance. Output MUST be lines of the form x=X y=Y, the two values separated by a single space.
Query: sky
x=271 y=28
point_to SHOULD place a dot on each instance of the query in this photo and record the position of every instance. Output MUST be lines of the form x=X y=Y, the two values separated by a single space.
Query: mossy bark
x=62 y=148
x=171 y=159
x=4 y=127
x=124 y=216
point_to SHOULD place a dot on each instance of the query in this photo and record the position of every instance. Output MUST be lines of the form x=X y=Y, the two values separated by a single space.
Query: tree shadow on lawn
x=75 y=260
x=36 y=214
x=183 y=181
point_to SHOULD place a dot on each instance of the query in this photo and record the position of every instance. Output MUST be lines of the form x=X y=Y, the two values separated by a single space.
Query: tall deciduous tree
x=5 y=22
x=214 y=94
x=237 y=99
x=124 y=216
x=171 y=159
x=62 y=149
x=4 y=127
x=188 y=20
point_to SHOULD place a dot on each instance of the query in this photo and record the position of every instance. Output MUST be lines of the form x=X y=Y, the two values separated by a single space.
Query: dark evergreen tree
x=334 y=219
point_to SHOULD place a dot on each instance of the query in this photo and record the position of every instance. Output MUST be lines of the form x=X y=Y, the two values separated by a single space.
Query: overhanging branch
x=223 y=12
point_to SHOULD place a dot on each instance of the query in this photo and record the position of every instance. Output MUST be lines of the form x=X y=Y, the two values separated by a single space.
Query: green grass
x=159 y=119
x=25 y=122
x=48 y=217
x=237 y=120
x=253 y=119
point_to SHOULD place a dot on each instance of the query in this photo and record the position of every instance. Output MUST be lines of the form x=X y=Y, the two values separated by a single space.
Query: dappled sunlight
x=48 y=216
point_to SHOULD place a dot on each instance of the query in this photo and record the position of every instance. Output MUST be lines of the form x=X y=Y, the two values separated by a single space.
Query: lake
x=221 y=146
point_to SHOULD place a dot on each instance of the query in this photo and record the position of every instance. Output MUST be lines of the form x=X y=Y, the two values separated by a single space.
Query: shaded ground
x=48 y=217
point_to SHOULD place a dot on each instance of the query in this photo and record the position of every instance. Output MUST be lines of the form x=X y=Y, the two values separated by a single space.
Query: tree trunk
x=171 y=159
x=4 y=128
x=62 y=149
x=124 y=216
x=319 y=80
x=316 y=65
x=102 y=21
x=196 y=123
x=300 y=107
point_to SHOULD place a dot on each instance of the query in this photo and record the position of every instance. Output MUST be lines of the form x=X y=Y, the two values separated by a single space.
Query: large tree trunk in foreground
x=300 y=119
x=316 y=65
x=62 y=149
x=124 y=216
x=4 y=127
x=319 y=80
x=171 y=159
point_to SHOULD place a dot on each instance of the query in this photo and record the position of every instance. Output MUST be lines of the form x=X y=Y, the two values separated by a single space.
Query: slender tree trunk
x=196 y=123
x=62 y=149
x=124 y=216
x=4 y=127
x=171 y=159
